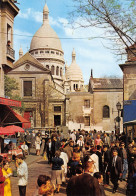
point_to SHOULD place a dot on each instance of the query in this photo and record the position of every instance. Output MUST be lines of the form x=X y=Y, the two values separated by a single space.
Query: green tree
x=117 y=18
x=10 y=85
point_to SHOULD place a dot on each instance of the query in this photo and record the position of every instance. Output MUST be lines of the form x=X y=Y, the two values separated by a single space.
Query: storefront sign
x=10 y=102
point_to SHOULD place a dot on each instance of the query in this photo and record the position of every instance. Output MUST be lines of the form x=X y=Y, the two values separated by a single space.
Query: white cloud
x=31 y=14
x=26 y=14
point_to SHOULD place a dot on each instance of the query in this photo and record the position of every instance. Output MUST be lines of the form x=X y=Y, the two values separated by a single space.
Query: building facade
x=8 y=11
x=53 y=98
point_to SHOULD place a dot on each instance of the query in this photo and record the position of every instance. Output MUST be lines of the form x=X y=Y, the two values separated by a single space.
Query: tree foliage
x=11 y=85
x=117 y=18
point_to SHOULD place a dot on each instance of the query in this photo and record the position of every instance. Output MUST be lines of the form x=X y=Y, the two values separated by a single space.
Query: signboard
x=10 y=102
x=129 y=111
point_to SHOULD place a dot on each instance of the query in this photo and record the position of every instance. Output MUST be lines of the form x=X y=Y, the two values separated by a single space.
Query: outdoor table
x=4 y=155
x=15 y=152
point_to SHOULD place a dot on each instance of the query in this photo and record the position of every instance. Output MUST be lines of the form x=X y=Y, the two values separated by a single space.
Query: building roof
x=107 y=83
x=45 y=37
x=30 y=58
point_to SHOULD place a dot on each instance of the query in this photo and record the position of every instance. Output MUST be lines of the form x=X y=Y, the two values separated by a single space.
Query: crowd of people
x=84 y=162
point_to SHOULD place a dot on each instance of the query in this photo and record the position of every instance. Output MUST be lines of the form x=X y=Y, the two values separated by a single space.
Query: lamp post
x=118 y=105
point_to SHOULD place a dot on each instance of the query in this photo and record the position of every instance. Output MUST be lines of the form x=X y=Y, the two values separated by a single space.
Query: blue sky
x=90 y=53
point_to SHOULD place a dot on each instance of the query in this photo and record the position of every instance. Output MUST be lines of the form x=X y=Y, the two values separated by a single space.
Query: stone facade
x=41 y=96
x=86 y=108
x=53 y=99
x=8 y=11
x=129 y=74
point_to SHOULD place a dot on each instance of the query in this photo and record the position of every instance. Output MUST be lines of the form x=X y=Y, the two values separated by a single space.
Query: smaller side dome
x=74 y=72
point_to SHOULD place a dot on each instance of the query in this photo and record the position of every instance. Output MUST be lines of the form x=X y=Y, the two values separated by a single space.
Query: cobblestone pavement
x=37 y=166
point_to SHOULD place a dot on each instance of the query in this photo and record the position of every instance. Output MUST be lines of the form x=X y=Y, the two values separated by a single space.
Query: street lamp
x=118 y=105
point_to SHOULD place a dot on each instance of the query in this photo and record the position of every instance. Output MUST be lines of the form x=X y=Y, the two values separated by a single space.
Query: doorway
x=57 y=120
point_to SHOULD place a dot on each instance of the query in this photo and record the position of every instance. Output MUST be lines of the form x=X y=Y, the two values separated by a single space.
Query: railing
x=10 y=52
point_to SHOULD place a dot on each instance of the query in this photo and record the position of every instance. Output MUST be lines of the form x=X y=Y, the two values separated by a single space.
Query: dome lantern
x=73 y=55
x=45 y=14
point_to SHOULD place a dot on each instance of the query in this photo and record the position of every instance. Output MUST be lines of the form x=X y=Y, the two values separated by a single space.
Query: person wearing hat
x=115 y=169
x=2 y=178
x=22 y=172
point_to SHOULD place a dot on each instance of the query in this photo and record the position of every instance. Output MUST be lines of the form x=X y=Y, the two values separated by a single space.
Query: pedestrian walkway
x=37 y=165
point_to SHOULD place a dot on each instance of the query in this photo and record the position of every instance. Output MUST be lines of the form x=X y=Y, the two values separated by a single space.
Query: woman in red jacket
x=2 y=178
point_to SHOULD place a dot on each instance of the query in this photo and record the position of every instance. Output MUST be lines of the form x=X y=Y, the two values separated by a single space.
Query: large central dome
x=45 y=37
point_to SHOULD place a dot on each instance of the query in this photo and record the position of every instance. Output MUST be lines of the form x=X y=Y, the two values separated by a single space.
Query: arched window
x=60 y=71
x=76 y=86
x=106 y=111
x=47 y=66
x=57 y=71
x=52 y=69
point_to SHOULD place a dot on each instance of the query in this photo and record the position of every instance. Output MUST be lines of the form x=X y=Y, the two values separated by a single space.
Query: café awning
x=10 y=117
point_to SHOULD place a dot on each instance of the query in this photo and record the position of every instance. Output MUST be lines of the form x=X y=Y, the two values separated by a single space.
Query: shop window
x=87 y=120
x=106 y=112
x=87 y=103
x=27 y=88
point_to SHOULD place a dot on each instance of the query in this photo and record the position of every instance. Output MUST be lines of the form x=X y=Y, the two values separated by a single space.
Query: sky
x=90 y=53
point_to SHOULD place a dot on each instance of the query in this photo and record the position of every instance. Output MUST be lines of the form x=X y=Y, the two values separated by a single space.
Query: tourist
x=131 y=182
x=64 y=156
x=124 y=160
x=56 y=173
x=99 y=154
x=106 y=139
x=24 y=148
x=7 y=172
x=106 y=163
x=80 y=142
x=115 y=169
x=8 y=147
x=95 y=159
x=98 y=141
x=28 y=139
x=49 y=150
x=84 y=184
x=99 y=177
x=2 y=178
x=37 y=144
x=45 y=186
x=22 y=172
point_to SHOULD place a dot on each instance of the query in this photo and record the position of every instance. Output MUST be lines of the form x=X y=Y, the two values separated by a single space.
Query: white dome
x=73 y=71
x=45 y=37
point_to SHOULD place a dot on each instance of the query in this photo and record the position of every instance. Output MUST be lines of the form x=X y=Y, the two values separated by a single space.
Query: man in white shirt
x=24 y=148
x=80 y=142
x=22 y=172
